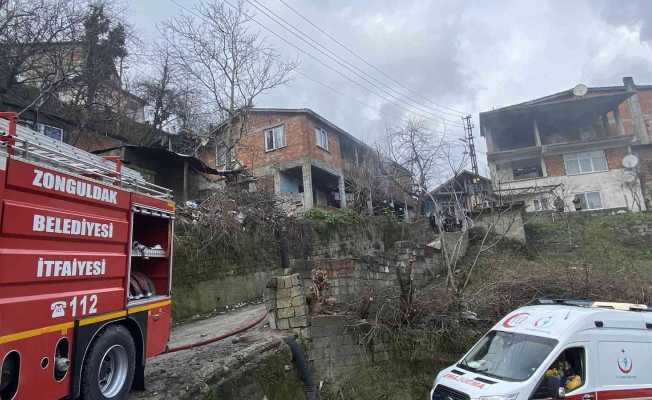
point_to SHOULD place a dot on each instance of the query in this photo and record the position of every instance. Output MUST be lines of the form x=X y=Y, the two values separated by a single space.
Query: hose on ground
x=300 y=361
x=218 y=338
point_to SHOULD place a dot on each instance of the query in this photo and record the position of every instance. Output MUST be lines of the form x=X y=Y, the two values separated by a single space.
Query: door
x=572 y=368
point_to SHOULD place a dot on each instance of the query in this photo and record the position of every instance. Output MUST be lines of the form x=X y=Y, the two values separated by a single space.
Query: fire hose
x=217 y=338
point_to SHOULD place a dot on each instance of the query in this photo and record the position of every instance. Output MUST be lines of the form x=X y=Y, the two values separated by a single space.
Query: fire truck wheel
x=109 y=367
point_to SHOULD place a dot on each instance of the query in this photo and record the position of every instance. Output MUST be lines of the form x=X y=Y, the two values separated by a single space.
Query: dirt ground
x=185 y=374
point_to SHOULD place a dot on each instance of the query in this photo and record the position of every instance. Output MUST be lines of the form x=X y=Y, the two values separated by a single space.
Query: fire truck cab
x=85 y=270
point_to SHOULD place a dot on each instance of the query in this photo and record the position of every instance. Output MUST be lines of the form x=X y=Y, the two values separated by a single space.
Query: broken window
x=274 y=138
x=588 y=201
x=584 y=163
x=322 y=138
x=527 y=169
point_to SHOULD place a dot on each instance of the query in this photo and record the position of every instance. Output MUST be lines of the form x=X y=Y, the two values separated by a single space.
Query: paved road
x=185 y=374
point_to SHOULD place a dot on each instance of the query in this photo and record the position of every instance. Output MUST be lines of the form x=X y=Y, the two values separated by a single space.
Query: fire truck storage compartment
x=150 y=254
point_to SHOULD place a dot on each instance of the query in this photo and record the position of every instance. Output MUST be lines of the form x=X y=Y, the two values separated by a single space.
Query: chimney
x=628 y=82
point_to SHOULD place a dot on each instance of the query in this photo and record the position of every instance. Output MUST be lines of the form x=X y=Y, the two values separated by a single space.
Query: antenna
x=468 y=130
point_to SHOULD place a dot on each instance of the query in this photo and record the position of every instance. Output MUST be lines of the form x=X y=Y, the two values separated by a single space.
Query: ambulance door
x=575 y=366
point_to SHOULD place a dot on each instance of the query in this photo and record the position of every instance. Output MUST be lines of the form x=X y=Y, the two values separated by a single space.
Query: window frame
x=584 y=366
x=40 y=127
x=321 y=135
x=586 y=202
x=585 y=155
x=271 y=131
x=541 y=204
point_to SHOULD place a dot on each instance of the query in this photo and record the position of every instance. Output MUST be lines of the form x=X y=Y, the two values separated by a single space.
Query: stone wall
x=508 y=222
x=285 y=299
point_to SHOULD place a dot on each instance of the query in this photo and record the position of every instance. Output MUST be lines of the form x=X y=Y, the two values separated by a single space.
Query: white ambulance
x=570 y=349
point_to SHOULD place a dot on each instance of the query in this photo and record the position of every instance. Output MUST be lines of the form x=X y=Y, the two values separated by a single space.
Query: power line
x=393 y=102
x=306 y=76
x=451 y=111
x=328 y=53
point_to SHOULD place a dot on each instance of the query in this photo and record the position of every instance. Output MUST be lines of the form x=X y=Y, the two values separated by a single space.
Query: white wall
x=611 y=185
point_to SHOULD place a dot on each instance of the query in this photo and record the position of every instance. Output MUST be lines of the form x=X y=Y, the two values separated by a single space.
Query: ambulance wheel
x=109 y=366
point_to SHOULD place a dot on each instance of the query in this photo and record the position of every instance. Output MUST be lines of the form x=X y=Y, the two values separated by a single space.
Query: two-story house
x=300 y=155
x=575 y=149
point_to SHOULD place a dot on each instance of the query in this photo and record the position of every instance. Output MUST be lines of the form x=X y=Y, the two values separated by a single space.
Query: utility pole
x=468 y=131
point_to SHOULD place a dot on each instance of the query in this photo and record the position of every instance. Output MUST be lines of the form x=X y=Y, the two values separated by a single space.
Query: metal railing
x=30 y=145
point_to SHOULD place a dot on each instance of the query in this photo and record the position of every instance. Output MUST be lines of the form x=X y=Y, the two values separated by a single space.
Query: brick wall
x=299 y=138
x=645 y=98
x=251 y=147
x=555 y=165
x=645 y=155
x=626 y=117
x=615 y=158
x=332 y=157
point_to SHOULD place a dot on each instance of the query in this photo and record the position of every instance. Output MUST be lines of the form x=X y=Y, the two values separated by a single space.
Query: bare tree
x=228 y=61
x=416 y=154
x=165 y=94
x=35 y=35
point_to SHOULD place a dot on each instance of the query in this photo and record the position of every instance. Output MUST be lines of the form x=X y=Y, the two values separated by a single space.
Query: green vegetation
x=607 y=258
x=338 y=216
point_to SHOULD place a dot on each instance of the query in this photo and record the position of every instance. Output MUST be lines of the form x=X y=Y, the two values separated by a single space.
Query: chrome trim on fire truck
x=153 y=211
x=30 y=144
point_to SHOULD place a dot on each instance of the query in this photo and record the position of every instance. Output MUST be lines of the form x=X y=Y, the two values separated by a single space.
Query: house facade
x=463 y=192
x=580 y=149
x=299 y=155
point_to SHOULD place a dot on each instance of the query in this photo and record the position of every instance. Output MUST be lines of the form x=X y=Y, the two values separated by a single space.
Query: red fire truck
x=85 y=270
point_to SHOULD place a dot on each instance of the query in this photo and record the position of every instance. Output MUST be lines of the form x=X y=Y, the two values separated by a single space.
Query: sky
x=469 y=56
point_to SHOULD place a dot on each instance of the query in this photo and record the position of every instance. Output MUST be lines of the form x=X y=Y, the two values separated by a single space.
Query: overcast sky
x=466 y=55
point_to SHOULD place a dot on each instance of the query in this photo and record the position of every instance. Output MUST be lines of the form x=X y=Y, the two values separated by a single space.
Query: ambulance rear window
x=507 y=355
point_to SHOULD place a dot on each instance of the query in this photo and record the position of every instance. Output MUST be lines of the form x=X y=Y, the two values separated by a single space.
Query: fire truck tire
x=109 y=367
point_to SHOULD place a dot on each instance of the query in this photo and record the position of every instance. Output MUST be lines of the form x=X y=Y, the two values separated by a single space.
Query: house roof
x=194 y=162
x=465 y=172
x=599 y=99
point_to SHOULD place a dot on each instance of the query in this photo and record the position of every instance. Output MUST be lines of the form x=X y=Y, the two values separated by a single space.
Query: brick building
x=568 y=149
x=298 y=154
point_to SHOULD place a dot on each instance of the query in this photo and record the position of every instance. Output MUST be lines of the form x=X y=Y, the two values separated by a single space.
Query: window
x=569 y=368
x=540 y=204
x=584 y=163
x=588 y=201
x=274 y=138
x=220 y=155
x=508 y=356
x=526 y=169
x=322 y=138
x=50 y=131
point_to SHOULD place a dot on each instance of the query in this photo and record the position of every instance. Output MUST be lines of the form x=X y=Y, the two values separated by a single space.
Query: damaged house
x=580 y=149
x=299 y=155
x=463 y=192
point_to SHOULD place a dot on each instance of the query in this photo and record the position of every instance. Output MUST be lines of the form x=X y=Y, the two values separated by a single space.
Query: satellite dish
x=630 y=161
x=580 y=90
x=629 y=177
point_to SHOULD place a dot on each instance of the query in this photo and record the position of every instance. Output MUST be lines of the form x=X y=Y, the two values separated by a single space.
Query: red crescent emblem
x=515 y=320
